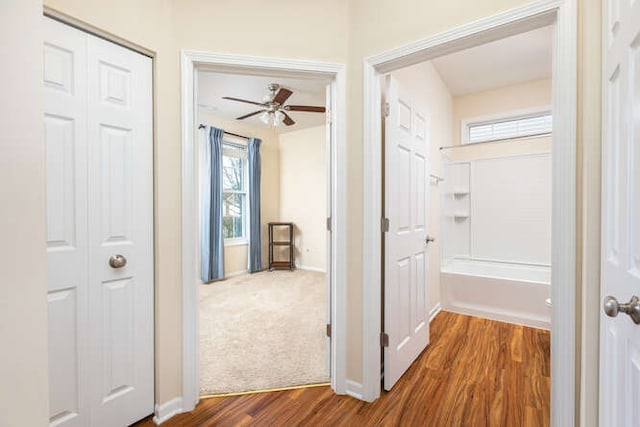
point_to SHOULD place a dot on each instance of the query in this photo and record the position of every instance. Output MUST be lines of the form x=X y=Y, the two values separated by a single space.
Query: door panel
x=406 y=255
x=97 y=122
x=120 y=212
x=620 y=337
x=65 y=122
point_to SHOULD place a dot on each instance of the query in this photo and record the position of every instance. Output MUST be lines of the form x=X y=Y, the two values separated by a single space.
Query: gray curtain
x=255 y=239
x=211 y=239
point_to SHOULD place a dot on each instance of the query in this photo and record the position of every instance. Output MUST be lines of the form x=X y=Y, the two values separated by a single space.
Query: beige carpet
x=262 y=331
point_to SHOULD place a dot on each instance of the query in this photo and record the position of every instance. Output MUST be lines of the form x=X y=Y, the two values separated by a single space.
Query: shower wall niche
x=456 y=205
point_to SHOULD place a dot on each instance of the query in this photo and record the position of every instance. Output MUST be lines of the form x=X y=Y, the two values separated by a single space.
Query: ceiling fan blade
x=230 y=98
x=249 y=115
x=307 y=108
x=282 y=95
x=287 y=119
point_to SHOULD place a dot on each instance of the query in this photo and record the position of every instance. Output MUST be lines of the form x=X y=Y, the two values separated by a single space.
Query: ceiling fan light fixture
x=265 y=117
x=274 y=110
x=278 y=117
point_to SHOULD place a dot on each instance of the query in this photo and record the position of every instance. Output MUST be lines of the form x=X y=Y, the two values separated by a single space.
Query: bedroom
x=265 y=305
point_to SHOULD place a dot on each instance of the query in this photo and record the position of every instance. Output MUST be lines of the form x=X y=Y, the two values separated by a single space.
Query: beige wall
x=303 y=193
x=359 y=28
x=521 y=96
x=433 y=97
x=165 y=27
x=24 y=379
x=236 y=256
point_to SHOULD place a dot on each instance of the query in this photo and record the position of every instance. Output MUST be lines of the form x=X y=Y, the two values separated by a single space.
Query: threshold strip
x=242 y=393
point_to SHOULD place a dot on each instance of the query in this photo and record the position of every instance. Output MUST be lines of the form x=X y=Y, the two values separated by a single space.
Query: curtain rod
x=228 y=133
x=495 y=141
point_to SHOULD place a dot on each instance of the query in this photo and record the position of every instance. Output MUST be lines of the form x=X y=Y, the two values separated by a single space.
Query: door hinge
x=329 y=330
x=384 y=224
x=329 y=224
x=385 y=109
x=384 y=340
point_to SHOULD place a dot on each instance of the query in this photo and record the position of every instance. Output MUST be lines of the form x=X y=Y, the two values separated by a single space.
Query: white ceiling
x=212 y=86
x=504 y=62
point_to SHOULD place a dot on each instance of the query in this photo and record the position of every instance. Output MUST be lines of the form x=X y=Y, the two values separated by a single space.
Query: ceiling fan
x=273 y=110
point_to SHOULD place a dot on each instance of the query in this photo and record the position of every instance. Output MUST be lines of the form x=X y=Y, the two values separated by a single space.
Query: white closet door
x=101 y=315
x=120 y=223
x=65 y=128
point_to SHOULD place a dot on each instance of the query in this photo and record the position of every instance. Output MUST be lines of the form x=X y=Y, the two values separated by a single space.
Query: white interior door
x=620 y=250
x=98 y=138
x=406 y=321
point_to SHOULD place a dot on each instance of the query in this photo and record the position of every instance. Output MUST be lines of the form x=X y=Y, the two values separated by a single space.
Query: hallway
x=475 y=372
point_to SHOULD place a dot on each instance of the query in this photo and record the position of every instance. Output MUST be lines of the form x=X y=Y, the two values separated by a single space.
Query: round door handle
x=117 y=261
x=612 y=307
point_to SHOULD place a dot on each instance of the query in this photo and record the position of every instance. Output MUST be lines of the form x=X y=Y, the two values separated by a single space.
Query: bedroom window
x=519 y=126
x=234 y=192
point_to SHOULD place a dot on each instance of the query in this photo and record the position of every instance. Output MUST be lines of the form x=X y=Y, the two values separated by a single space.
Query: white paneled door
x=99 y=196
x=406 y=320
x=620 y=250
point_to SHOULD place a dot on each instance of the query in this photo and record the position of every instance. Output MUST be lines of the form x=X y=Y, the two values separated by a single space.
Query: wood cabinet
x=281 y=246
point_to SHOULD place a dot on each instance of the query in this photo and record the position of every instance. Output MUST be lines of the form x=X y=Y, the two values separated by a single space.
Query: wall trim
x=354 y=389
x=308 y=268
x=534 y=15
x=434 y=312
x=167 y=410
x=499 y=315
x=335 y=75
x=88 y=28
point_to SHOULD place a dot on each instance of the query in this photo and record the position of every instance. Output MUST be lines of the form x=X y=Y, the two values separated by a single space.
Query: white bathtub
x=507 y=292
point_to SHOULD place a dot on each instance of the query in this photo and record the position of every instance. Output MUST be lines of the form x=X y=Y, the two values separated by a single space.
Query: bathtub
x=514 y=293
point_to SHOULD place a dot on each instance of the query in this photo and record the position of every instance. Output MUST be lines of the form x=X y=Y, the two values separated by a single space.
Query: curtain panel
x=255 y=234
x=211 y=238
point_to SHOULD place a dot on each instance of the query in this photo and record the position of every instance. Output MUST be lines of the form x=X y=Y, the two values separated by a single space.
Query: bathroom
x=489 y=137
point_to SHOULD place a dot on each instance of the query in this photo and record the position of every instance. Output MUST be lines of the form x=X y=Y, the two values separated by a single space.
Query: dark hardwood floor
x=475 y=372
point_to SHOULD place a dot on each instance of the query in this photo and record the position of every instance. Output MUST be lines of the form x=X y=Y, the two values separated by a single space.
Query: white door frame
x=531 y=16
x=191 y=60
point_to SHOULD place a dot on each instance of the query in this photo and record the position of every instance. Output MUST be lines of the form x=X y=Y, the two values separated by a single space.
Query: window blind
x=510 y=128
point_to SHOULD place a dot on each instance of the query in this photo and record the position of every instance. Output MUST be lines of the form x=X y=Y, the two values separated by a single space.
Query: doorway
x=515 y=21
x=268 y=316
x=336 y=244
x=468 y=137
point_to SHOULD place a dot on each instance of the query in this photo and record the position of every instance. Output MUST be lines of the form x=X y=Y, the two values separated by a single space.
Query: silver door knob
x=117 y=261
x=612 y=307
x=429 y=239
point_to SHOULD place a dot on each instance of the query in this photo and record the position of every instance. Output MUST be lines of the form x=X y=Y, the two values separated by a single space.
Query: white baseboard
x=317 y=269
x=167 y=410
x=434 y=311
x=354 y=389
x=501 y=316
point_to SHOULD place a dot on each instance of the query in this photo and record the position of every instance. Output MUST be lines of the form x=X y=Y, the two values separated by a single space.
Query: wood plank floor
x=475 y=372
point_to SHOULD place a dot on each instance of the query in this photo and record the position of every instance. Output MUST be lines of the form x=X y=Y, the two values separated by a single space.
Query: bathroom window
x=518 y=126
